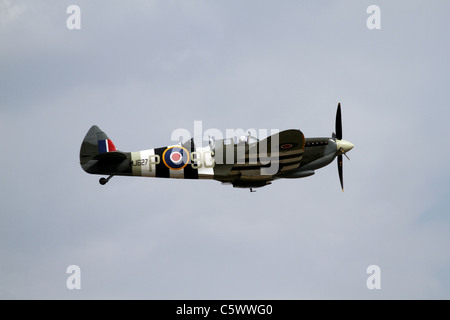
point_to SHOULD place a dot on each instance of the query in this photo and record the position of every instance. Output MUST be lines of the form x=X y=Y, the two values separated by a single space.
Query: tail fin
x=98 y=154
x=95 y=142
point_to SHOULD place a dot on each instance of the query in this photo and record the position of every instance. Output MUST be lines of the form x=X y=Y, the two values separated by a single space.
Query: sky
x=142 y=69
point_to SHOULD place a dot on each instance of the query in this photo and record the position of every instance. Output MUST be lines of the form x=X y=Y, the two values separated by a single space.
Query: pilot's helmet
x=242 y=139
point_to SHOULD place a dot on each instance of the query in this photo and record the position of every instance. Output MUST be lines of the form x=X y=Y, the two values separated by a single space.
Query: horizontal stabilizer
x=116 y=156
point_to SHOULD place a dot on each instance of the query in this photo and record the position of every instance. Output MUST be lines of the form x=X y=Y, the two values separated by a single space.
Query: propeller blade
x=340 y=169
x=338 y=123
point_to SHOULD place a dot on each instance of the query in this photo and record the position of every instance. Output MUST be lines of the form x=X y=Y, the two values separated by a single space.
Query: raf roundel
x=176 y=158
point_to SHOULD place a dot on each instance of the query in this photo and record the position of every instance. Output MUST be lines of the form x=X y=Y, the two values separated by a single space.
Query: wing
x=258 y=163
x=282 y=151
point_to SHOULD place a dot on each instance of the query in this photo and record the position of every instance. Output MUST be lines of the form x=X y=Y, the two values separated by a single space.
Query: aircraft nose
x=344 y=146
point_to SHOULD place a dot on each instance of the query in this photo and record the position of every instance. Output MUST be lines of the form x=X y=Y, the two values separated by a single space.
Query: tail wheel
x=104 y=181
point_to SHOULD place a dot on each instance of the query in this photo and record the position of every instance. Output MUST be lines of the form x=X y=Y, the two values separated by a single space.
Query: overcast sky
x=141 y=69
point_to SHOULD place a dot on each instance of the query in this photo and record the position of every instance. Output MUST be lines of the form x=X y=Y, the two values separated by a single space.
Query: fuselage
x=318 y=153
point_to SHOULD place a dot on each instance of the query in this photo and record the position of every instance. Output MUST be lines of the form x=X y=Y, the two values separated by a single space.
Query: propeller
x=342 y=145
x=338 y=128
x=340 y=170
x=338 y=123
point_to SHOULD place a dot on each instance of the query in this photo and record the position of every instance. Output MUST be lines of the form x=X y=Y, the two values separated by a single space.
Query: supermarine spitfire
x=249 y=163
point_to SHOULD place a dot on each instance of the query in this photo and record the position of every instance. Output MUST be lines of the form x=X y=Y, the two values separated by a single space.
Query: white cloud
x=10 y=11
